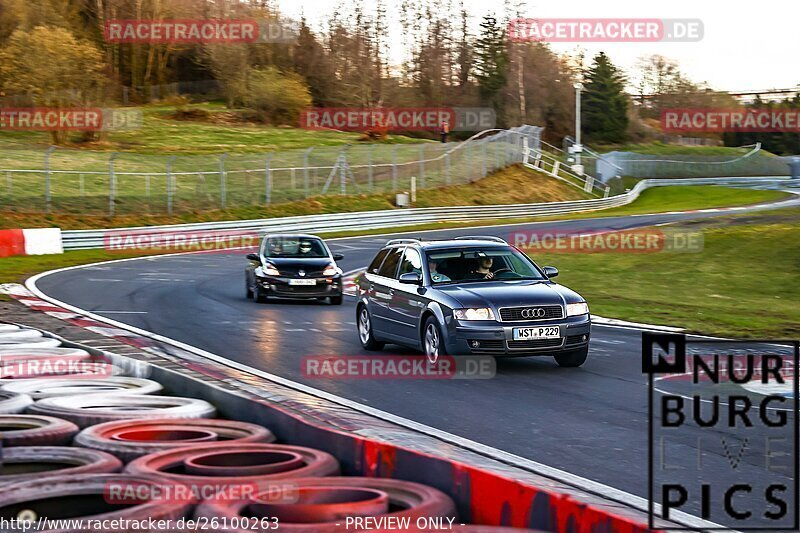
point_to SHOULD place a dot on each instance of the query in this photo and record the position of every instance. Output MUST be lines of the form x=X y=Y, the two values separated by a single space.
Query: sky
x=746 y=46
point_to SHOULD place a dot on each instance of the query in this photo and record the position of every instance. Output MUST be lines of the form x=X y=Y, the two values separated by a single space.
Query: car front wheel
x=572 y=359
x=365 y=334
x=432 y=341
x=247 y=290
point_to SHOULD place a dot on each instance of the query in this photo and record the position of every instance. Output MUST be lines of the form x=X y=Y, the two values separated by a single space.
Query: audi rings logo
x=533 y=312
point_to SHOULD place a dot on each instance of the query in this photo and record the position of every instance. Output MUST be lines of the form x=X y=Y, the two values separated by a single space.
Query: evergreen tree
x=491 y=62
x=604 y=103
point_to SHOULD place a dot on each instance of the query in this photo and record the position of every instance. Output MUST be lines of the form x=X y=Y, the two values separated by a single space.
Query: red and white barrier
x=39 y=241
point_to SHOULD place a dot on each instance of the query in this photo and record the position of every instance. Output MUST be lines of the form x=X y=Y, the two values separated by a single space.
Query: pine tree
x=491 y=62
x=604 y=102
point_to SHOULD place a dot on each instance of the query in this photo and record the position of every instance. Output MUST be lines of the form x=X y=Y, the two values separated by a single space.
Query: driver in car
x=484 y=269
x=305 y=247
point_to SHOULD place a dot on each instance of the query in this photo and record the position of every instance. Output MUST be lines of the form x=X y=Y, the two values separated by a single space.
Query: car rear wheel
x=365 y=334
x=572 y=359
x=432 y=340
x=336 y=300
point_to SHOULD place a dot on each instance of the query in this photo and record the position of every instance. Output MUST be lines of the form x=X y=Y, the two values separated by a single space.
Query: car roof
x=432 y=244
x=292 y=235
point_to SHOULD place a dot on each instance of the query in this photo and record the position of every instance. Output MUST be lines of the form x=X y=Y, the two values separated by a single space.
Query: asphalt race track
x=590 y=421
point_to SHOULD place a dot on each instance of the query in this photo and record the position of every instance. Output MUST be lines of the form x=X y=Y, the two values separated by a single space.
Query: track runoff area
x=689 y=424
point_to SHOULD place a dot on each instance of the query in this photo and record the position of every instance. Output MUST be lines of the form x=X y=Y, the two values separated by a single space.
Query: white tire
x=97 y=408
x=8 y=351
x=30 y=344
x=14 y=402
x=39 y=389
x=21 y=334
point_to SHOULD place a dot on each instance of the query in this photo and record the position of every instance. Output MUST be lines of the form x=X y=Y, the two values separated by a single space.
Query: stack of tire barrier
x=138 y=454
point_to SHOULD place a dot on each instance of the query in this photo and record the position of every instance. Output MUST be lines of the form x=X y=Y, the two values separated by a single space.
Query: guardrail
x=397 y=218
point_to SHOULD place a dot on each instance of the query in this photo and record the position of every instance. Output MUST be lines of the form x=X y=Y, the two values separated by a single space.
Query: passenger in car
x=436 y=276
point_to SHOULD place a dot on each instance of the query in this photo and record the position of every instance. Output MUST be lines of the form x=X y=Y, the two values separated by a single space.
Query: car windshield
x=480 y=264
x=294 y=247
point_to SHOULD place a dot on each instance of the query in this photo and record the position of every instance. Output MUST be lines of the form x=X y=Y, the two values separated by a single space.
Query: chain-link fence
x=744 y=161
x=83 y=182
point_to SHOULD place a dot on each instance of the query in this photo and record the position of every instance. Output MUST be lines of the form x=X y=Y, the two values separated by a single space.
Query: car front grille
x=536 y=343
x=300 y=289
x=515 y=314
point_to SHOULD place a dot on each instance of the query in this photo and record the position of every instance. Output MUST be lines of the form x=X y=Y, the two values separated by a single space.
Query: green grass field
x=193 y=166
x=743 y=283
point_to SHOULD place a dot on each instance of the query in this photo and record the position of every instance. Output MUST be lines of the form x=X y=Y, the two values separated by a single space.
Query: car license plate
x=545 y=332
x=302 y=282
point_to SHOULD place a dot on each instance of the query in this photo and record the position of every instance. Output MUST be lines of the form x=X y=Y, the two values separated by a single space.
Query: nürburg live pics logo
x=723 y=433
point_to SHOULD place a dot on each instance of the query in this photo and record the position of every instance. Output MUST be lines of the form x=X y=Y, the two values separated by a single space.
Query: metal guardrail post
x=470 y=158
x=483 y=157
x=422 y=166
x=305 y=169
x=394 y=169
x=342 y=173
x=267 y=180
x=112 y=185
x=47 y=176
x=369 y=167
x=170 y=186
x=223 y=192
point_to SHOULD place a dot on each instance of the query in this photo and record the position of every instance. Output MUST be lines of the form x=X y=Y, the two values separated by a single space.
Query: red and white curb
x=39 y=241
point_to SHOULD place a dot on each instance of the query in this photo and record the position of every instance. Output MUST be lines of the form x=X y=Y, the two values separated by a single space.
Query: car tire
x=432 y=340
x=365 y=332
x=337 y=300
x=259 y=295
x=572 y=359
x=248 y=292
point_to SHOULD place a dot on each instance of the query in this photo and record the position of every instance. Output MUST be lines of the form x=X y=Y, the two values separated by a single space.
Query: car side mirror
x=550 y=272
x=412 y=278
x=338 y=257
x=254 y=257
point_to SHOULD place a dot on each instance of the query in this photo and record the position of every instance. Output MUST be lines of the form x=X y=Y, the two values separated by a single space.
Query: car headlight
x=270 y=270
x=577 y=309
x=331 y=270
x=477 y=313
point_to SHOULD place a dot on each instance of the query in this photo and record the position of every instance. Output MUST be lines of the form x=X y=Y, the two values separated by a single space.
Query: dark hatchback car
x=469 y=296
x=293 y=266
